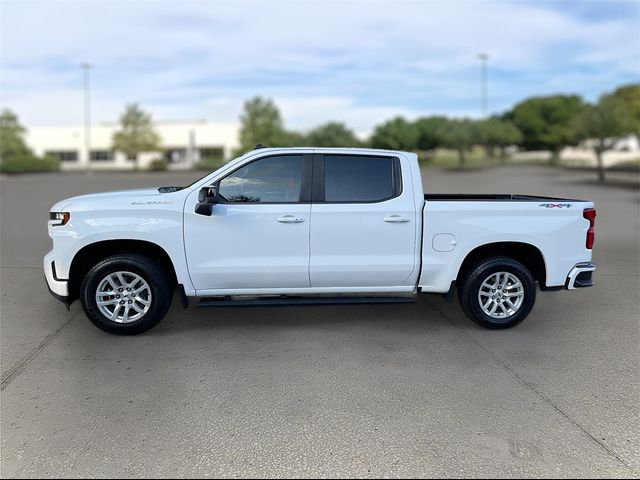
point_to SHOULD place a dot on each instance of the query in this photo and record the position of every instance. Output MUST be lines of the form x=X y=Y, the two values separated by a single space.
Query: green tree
x=431 y=132
x=332 y=134
x=604 y=123
x=15 y=155
x=261 y=122
x=546 y=123
x=292 y=139
x=136 y=134
x=12 y=144
x=395 y=134
x=630 y=95
x=496 y=133
x=461 y=135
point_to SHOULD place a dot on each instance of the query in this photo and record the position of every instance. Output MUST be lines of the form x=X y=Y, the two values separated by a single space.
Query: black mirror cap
x=208 y=195
x=204 y=208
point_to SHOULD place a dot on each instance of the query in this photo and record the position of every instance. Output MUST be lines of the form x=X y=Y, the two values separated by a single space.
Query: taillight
x=590 y=214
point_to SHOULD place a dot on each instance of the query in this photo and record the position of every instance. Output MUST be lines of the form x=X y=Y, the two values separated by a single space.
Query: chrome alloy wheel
x=501 y=295
x=123 y=297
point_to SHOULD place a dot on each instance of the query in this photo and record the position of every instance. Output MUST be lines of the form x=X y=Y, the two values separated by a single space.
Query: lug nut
x=130 y=301
x=120 y=289
x=121 y=302
x=128 y=289
x=117 y=296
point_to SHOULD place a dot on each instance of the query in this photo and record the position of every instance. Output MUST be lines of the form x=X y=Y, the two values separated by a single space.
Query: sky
x=357 y=62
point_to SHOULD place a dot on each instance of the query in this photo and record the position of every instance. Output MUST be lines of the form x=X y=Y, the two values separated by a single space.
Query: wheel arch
x=529 y=255
x=89 y=255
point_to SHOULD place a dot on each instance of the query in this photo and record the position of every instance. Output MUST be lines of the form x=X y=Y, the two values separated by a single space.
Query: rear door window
x=360 y=178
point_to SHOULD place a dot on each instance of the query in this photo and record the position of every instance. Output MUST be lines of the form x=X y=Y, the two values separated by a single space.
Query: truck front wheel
x=497 y=292
x=126 y=294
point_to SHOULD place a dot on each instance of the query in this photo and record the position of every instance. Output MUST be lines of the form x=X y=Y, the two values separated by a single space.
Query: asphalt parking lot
x=367 y=391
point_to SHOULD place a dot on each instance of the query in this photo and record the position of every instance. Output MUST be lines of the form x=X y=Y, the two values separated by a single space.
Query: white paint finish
x=59 y=287
x=352 y=245
x=144 y=215
x=137 y=194
x=559 y=233
x=366 y=244
x=337 y=248
x=443 y=242
x=247 y=246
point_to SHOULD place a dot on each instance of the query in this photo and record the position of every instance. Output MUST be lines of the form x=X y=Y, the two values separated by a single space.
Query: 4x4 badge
x=555 y=205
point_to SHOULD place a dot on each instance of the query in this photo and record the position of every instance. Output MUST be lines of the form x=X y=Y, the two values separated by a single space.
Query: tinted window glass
x=65 y=155
x=273 y=179
x=358 y=178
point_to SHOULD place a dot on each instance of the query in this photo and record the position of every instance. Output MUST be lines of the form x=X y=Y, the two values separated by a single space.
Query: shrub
x=158 y=165
x=29 y=164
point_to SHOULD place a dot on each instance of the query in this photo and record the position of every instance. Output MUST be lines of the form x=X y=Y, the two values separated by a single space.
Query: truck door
x=258 y=236
x=363 y=222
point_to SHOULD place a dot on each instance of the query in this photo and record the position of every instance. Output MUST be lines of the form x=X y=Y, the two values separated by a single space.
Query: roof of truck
x=358 y=150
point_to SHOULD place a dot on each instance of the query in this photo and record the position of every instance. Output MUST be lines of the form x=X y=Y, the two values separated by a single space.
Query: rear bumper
x=580 y=276
x=58 y=288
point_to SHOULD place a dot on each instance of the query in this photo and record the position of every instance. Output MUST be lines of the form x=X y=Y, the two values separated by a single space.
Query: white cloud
x=357 y=62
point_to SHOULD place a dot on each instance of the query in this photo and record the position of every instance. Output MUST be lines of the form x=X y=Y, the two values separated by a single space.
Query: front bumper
x=580 y=276
x=58 y=288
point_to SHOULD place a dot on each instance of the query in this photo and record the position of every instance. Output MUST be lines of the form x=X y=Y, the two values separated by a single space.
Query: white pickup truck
x=300 y=226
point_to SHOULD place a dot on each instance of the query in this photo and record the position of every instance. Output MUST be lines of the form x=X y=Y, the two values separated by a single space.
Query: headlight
x=59 y=218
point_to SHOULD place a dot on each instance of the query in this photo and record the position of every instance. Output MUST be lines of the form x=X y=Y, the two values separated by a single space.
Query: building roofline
x=197 y=121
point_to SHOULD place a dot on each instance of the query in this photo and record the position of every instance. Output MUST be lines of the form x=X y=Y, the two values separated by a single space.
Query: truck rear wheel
x=126 y=294
x=497 y=292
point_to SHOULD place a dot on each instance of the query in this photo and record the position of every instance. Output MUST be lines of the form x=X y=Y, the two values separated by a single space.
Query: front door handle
x=290 y=219
x=396 y=219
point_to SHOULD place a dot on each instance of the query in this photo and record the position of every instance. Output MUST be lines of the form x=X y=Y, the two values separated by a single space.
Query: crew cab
x=291 y=226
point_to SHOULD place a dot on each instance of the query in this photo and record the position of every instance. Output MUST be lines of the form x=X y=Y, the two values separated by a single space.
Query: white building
x=183 y=143
x=627 y=149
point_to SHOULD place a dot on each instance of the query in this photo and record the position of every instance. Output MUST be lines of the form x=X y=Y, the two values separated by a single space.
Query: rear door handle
x=396 y=219
x=290 y=219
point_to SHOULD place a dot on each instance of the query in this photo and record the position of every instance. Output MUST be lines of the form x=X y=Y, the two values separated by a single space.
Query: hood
x=137 y=193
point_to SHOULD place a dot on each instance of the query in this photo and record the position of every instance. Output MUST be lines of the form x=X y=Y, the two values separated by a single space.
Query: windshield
x=208 y=173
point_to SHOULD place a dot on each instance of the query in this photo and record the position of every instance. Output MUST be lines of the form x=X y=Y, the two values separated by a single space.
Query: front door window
x=269 y=180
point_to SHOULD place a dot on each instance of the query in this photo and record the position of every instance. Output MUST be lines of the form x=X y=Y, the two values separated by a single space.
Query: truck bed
x=494 y=197
x=454 y=225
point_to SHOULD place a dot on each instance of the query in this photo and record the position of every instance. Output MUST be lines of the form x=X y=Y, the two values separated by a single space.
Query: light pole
x=483 y=57
x=86 y=67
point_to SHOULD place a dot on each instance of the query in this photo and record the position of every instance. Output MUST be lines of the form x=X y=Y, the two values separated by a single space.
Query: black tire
x=481 y=271
x=151 y=272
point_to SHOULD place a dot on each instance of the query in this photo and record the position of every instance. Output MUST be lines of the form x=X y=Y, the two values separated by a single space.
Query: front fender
x=158 y=226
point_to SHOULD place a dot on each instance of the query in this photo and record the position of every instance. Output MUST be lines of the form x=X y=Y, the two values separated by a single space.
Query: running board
x=302 y=301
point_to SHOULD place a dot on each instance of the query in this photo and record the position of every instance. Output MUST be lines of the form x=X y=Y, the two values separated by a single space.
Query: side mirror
x=208 y=195
x=204 y=209
x=207 y=198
